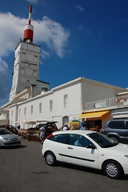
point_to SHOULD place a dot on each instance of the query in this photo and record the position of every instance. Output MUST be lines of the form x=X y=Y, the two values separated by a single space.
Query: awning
x=32 y=122
x=93 y=114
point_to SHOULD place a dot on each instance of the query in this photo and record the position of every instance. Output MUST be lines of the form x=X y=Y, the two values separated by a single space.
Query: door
x=65 y=120
x=78 y=151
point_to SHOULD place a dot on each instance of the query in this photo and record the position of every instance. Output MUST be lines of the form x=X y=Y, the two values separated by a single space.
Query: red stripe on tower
x=28 y=30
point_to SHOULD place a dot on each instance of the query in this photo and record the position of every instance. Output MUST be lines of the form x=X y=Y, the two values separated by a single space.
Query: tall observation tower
x=26 y=62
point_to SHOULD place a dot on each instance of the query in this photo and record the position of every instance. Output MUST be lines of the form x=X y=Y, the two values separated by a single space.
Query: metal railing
x=110 y=103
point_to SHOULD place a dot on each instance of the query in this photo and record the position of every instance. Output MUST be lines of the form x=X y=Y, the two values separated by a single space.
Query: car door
x=57 y=144
x=82 y=154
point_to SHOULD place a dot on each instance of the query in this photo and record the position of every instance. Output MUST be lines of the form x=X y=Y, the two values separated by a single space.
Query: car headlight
x=126 y=156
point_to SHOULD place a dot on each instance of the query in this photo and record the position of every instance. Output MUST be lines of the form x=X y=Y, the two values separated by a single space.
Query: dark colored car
x=40 y=125
x=50 y=127
x=117 y=130
x=11 y=128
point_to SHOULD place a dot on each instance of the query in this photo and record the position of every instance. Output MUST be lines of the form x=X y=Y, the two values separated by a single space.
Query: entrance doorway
x=65 y=120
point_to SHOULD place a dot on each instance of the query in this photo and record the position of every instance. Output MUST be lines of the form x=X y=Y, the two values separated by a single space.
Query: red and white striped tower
x=28 y=30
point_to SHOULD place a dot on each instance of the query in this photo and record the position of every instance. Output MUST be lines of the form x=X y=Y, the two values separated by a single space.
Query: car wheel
x=50 y=158
x=112 y=169
x=114 y=139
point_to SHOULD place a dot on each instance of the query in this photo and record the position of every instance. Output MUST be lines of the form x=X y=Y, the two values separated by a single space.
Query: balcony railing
x=110 y=103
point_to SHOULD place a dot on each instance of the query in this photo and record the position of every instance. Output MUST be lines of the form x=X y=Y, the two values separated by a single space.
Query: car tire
x=50 y=158
x=113 y=169
x=114 y=139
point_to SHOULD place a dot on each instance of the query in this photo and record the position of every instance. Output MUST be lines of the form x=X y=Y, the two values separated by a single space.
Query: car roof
x=84 y=132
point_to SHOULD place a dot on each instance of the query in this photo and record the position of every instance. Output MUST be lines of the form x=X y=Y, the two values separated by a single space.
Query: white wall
x=57 y=95
x=93 y=91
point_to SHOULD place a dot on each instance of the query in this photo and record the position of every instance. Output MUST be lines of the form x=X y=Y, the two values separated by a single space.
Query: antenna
x=28 y=30
x=30 y=12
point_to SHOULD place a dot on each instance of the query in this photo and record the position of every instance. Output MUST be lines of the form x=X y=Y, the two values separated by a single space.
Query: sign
x=101 y=104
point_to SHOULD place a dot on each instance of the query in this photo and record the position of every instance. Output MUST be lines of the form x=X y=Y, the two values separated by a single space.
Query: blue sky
x=77 y=37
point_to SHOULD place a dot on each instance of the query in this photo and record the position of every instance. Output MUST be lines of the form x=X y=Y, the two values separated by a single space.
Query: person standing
x=41 y=135
x=83 y=126
x=65 y=128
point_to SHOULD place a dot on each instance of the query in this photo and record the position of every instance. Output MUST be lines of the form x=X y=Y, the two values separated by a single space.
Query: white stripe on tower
x=30 y=12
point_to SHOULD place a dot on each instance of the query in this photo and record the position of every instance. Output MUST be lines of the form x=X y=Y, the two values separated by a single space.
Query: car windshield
x=102 y=140
x=4 y=132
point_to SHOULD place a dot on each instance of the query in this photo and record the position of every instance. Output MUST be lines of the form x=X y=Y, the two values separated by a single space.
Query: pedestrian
x=65 y=128
x=83 y=126
x=41 y=134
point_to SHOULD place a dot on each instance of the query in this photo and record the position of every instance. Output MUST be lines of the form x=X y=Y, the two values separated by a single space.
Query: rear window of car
x=61 y=138
x=116 y=124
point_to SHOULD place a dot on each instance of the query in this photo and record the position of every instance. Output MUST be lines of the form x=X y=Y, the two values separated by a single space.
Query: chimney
x=44 y=90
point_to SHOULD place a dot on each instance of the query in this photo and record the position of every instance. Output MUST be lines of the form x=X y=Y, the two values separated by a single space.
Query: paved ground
x=24 y=169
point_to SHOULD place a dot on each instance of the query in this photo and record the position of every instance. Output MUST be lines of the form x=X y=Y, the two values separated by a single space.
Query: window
x=11 y=113
x=40 y=107
x=33 y=64
x=25 y=111
x=102 y=140
x=79 y=140
x=61 y=138
x=117 y=125
x=19 y=112
x=31 y=109
x=51 y=105
x=65 y=101
x=35 y=58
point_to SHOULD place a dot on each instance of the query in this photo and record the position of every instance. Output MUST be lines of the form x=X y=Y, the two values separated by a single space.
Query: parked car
x=117 y=130
x=40 y=125
x=8 y=139
x=50 y=127
x=10 y=128
x=87 y=148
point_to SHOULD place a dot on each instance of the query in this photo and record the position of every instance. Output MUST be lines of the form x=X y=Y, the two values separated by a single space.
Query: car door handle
x=70 y=148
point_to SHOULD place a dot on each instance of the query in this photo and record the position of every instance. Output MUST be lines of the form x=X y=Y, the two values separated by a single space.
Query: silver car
x=8 y=139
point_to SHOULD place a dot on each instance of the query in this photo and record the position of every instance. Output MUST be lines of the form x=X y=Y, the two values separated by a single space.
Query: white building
x=62 y=103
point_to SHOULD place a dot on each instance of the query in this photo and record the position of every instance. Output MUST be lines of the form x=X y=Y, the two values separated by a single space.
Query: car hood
x=117 y=149
x=122 y=148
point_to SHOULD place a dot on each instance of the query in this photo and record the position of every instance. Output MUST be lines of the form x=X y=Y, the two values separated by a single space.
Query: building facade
x=63 y=103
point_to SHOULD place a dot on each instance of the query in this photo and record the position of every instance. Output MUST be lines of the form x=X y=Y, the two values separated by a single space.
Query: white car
x=87 y=148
